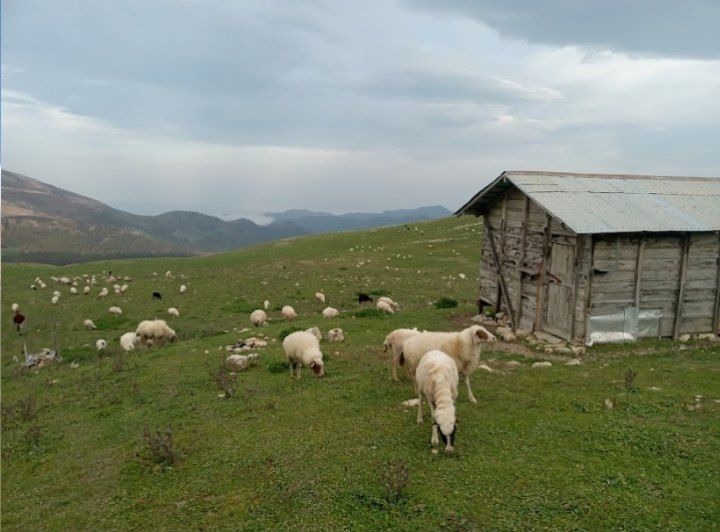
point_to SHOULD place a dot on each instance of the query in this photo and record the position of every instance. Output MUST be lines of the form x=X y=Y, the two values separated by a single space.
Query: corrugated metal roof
x=604 y=203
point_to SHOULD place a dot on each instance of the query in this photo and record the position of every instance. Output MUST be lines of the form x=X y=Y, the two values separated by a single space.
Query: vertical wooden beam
x=503 y=222
x=591 y=278
x=638 y=269
x=579 y=250
x=540 y=296
x=716 y=311
x=501 y=278
x=681 y=285
x=521 y=260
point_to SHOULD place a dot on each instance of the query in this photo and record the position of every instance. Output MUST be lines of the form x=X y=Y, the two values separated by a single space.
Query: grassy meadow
x=540 y=450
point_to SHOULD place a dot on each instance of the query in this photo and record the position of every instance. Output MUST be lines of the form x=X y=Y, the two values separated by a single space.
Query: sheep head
x=318 y=368
x=481 y=334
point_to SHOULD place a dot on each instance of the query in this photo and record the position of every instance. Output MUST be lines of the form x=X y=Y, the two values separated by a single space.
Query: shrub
x=369 y=313
x=278 y=367
x=380 y=292
x=111 y=323
x=394 y=479
x=630 y=380
x=225 y=381
x=159 y=447
x=240 y=305
x=445 y=302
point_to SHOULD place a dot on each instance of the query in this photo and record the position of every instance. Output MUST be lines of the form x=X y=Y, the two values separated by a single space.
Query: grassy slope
x=539 y=450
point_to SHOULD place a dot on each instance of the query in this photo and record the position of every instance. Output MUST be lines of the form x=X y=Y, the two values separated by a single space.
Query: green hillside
x=539 y=451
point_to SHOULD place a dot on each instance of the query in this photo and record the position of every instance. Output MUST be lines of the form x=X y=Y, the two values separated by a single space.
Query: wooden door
x=559 y=306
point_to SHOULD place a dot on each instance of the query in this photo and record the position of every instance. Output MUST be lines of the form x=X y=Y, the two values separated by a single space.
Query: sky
x=224 y=106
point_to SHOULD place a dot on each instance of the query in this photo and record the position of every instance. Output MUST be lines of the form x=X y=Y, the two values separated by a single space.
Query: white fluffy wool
x=173 y=312
x=89 y=325
x=258 y=318
x=330 y=312
x=101 y=345
x=320 y=297
x=183 y=288
x=155 y=330
x=237 y=363
x=288 y=313
x=395 y=341
x=437 y=379
x=385 y=307
x=115 y=311
x=129 y=341
x=303 y=348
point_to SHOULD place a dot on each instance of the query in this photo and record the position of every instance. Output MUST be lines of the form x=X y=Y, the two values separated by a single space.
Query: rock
x=542 y=365
x=654 y=388
x=522 y=333
x=509 y=337
x=549 y=338
x=512 y=364
x=577 y=350
x=684 y=338
x=609 y=404
x=708 y=336
x=549 y=350
x=485 y=367
x=479 y=318
x=564 y=350
x=531 y=341
x=410 y=403
x=502 y=330
x=499 y=315
x=573 y=362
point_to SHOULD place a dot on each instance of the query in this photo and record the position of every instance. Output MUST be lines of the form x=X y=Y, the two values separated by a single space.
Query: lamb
x=155 y=330
x=335 y=335
x=102 y=293
x=320 y=297
x=395 y=340
x=89 y=325
x=129 y=341
x=385 y=307
x=54 y=300
x=183 y=288
x=330 y=312
x=14 y=307
x=463 y=347
x=288 y=313
x=73 y=291
x=236 y=363
x=86 y=290
x=258 y=318
x=115 y=311
x=437 y=379
x=173 y=312
x=101 y=345
x=385 y=299
x=266 y=304
x=300 y=348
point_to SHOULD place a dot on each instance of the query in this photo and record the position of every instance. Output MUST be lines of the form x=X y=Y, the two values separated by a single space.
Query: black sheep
x=364 y=298
x=157 y=295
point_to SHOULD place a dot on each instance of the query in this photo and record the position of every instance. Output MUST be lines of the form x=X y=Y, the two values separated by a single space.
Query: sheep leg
x=394 y=366
x=434 y=437
x=420 y=412
x=470 y=394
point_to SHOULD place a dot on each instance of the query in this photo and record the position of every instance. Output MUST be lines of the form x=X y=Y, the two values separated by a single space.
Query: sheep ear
x=482 y=334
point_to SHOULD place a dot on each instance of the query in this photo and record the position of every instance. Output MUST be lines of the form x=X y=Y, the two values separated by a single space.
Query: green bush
x=369 y=313
x=278 y=367
x=240 y=305
x=111 y=323
x=380 y=292
x=445 y=302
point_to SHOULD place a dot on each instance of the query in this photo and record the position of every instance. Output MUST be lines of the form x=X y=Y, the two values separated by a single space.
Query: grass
x=145 y=440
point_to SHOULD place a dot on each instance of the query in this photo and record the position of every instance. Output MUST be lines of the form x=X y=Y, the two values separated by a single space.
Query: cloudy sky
x=225 y=106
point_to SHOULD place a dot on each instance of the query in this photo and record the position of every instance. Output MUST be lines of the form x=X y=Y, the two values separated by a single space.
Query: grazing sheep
x=168 y=274
x=330 y=312
x=14 y=307
x=364 y=298
x=86 y=290
x=463 y=347
x=33 y=287
x=54 y=300
x=89 y=325
x=124 y=287
x=300 y=348
x=173 y=312
x=183 y=288
x=73 y=291
x=385 y=299
x=56 y=293
x=315 y=332
x=288 y=313
x=103 y=292
x=335 y=335
x=395 y=341
x=236 y=363
x=437 y=379
x=18 y=320
x=382 y=305
x=150 y=330
x=101 y=345
x=258 y=318
x=115 y=311
x=266 y=304
x=156 y=295
x=462 y=276
x=43 y=285
x=320 y=297
x=129 y=341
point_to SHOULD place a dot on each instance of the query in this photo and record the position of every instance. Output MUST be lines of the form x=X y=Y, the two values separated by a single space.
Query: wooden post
x=681 y=285
x=638 y=269
x=716 y=311
x=521 y=260
x=540 y=296
x=503 y=222
x=591 y=277
x=501 y=278
x=579 y=250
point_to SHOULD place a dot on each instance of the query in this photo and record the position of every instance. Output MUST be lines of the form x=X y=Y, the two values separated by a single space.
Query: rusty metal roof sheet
x=604 y=203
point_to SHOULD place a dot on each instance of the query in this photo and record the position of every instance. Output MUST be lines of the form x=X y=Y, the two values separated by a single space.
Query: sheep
x=335 y=335
x=395 y=340
x=266 y=304
x=320 y=297
x=168 y=274
x=463 y=347
x=14 y=307
x=42 y=285
x=86 y=290
x=129 y=341
x=89 y=325
x=385 y=299
x=173 y=312
x=258 y=318
x=300 y=348
x=436 y=378
x=237 y=363
x=124 y=287
x=385 y=307
x=102 y=293
x=288 y=313
x=150 y=330
x=364 y=298
x=330 y=312
x=54 y=300
x=156 y=295
x=56 y=293
x=315 y=332
x=100 y=345
x=115 y=311
x=73 y=291
x=183 y=288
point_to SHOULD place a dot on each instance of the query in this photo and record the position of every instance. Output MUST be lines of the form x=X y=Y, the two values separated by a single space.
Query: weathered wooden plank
x=716 y=310
x=504 y=289
x=579 y=248
x=638 y=269
x=521 y=259
x=541 y=278
x=681 y=286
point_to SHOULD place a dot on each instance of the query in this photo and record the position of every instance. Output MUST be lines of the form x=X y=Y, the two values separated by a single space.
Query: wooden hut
x=592 y=258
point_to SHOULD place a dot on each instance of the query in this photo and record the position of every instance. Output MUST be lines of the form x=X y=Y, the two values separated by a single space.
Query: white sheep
x=288 y=313
x=14 y=307
x=436 y=378
x=463 y=347
x=385 y=307
x=395 y=340
x=73 y=291
x=124 y=287
x=385 y=299
x=150 y=330
x=86 y=290
x=89 y=325
x=168 y=274
x=258 y=318
x=103 y=292
x=330 y=312
x=56 y=293
x=236 y=363
x=173 y=312
x=115 y=311
x=315 y=331
x=300 y=348
x=266 y=304
x=335 y=335
x=54 y=300
x=183 y=288
x=129 y=341
x=320 y=297
x=101 y=345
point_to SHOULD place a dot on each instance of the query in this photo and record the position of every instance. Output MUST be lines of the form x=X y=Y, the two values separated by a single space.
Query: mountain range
x=44 y=223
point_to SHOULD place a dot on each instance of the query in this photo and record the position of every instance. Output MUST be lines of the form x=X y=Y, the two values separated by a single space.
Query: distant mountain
x=321 y=222
x=44 y=223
